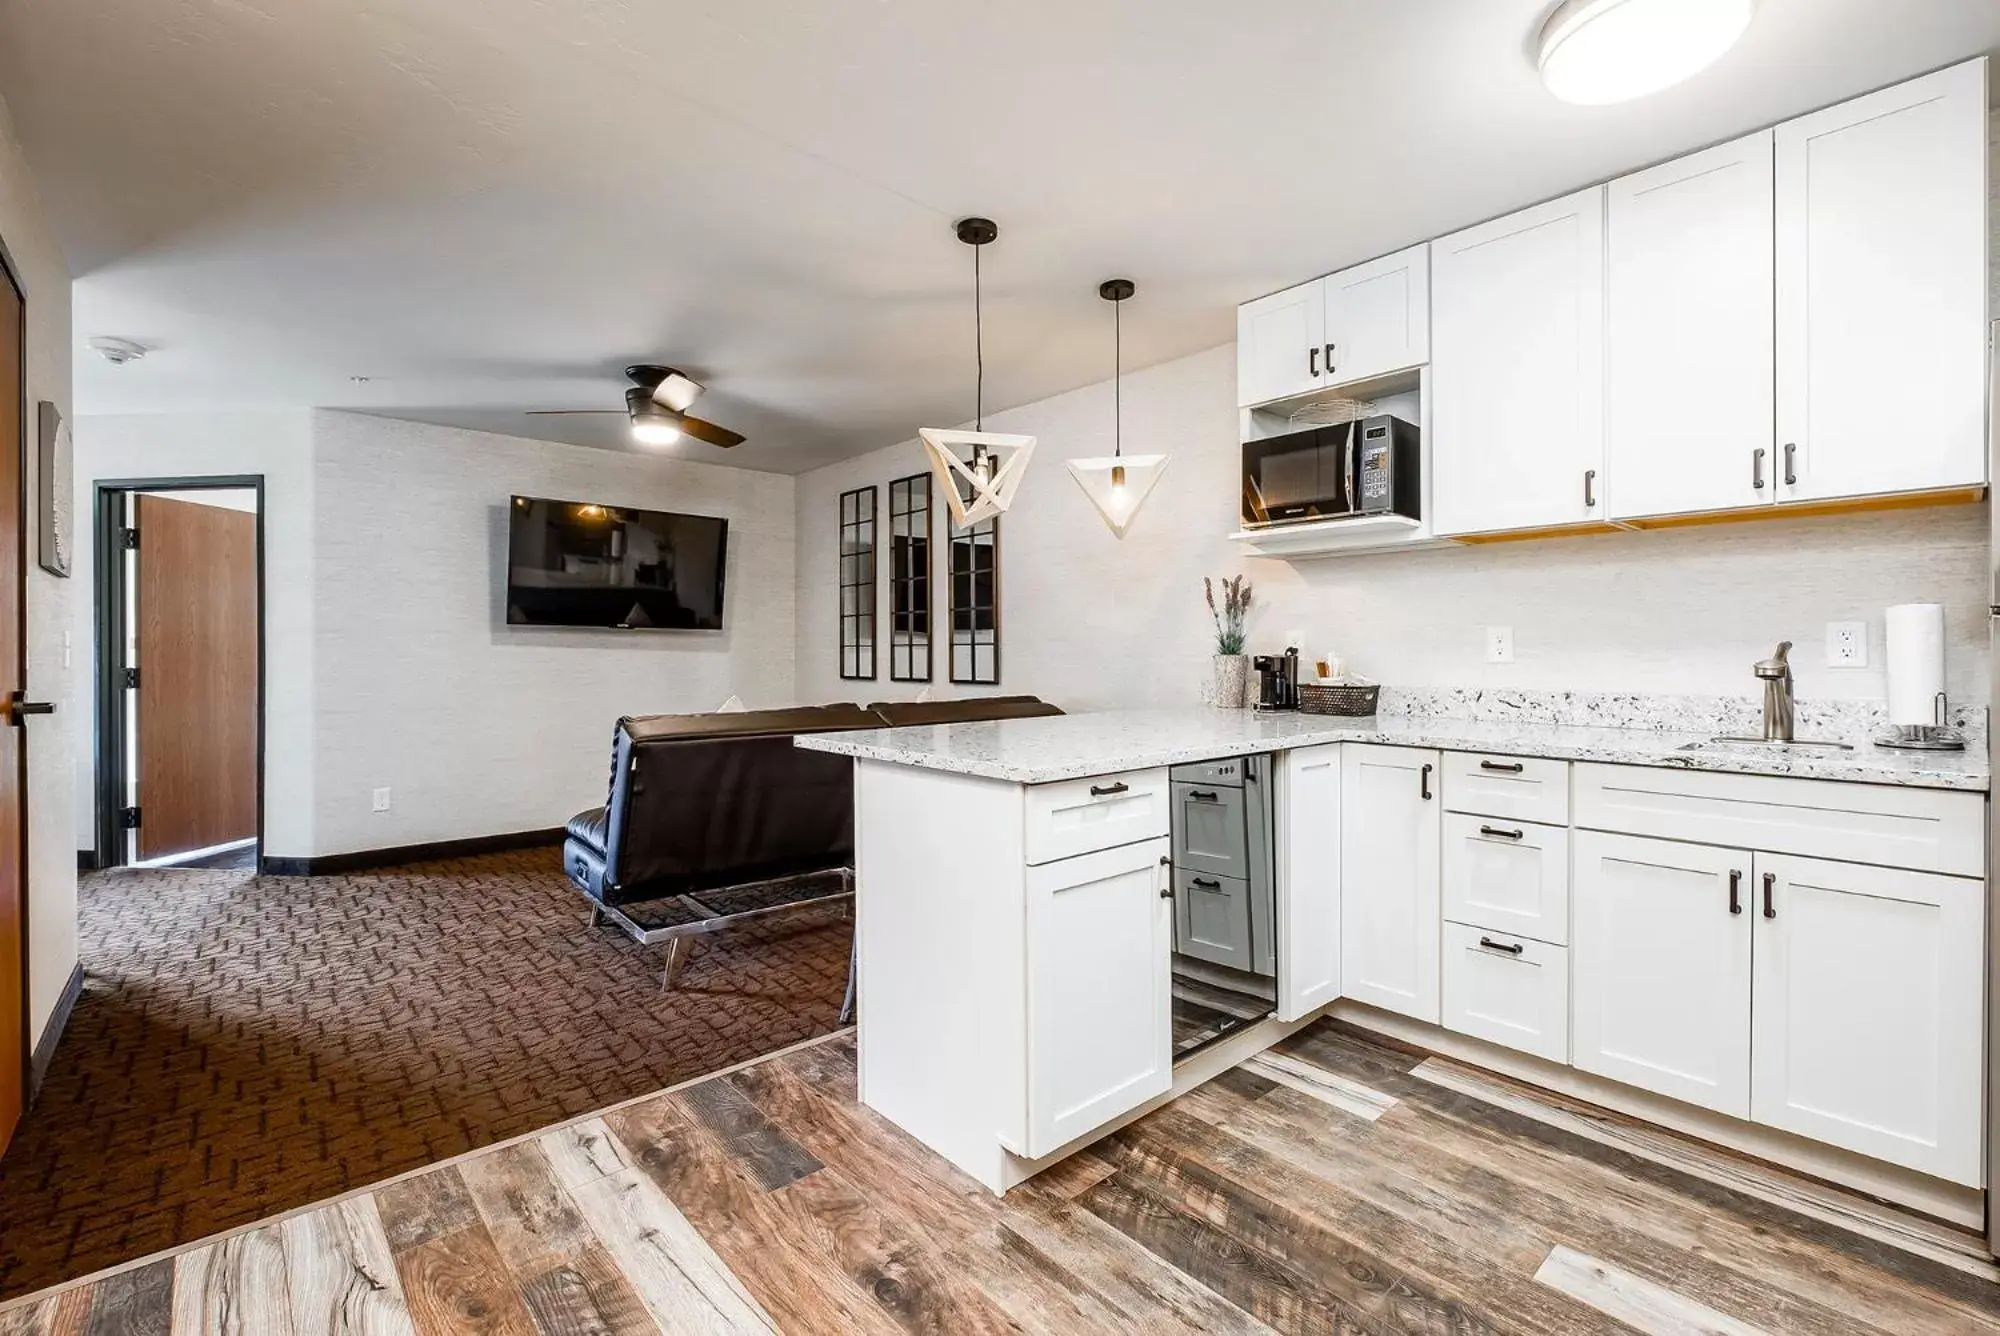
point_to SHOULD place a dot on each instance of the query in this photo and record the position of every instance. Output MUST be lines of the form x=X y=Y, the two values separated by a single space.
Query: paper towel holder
x=1938 y=736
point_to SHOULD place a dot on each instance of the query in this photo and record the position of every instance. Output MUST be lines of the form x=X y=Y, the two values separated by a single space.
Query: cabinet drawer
x=1080 y=816
x=1520 y=787
x=1212 y=918
x=1507 y=990
x=1210 y=832
x=1510 y=876
x=1925 y=830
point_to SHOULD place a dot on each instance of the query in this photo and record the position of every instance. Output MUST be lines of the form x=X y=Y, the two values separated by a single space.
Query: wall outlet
x=1499 y=644
x=381 y=803
x=1847 y=644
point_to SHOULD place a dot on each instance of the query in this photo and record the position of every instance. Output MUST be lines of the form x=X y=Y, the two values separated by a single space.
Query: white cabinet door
x=1389 y=913
x=1100 y=990
x=1378 y=317
x=1507 y=990
x=1517 y=370
x=1279 y=342
x=1688 y=357
x=1660 y=967
x=1309 y=880
x=1881 y=216
x=1869 y=1001
x=1509 y=875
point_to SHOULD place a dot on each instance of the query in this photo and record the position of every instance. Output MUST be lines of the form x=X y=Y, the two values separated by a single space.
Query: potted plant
x=1231 y=686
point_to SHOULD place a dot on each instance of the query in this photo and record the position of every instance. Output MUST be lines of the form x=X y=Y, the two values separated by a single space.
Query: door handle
x=1590 y=489
x=1312 y=362
x=1503 y=834
x=1202 y=795
x=1107 y=790
x=1770 y=880
x=1329 y=359
x=1513 y=950
x=1504 y=767
x=1735 y=891
x=1757 y=468
x=1166 y=877
x=1424 y=784
x=1791 y=455
x=19 y=707
x=1205 y=883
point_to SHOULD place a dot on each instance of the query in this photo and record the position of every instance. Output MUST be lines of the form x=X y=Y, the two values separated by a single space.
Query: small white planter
x=1229 y=688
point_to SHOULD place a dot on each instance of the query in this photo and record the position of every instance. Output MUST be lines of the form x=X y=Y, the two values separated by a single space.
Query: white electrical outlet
x=1847 y=644
x=381 y=800
x=1499 y=644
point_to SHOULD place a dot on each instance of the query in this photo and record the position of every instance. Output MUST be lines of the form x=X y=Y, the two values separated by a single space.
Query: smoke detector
x=115 y=351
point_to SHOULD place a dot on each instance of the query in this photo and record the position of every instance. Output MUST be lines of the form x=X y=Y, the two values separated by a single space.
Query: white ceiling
x=492 y=205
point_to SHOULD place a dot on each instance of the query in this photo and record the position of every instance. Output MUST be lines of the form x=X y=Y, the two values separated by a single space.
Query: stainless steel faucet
x=1776 y=673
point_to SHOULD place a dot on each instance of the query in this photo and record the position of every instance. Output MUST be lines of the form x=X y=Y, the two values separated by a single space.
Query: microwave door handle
x=1353 y=483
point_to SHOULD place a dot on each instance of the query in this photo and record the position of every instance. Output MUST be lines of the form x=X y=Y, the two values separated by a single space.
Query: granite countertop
x=1041 y=750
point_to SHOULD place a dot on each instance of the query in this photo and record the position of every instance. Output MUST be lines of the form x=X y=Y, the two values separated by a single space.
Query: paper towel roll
x=1915 y=662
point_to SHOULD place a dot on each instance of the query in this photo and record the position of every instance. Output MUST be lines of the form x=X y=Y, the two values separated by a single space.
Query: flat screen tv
x=572 y=563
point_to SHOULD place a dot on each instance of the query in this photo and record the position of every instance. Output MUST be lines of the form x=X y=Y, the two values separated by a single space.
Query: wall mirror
x=910 y=579
x=857 y=584
x=975 y=604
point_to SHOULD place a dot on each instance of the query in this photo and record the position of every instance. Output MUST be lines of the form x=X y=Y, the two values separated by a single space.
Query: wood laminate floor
x=1335 y=1184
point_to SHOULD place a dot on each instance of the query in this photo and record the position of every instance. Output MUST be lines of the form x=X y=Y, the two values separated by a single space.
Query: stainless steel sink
x=1778 y=743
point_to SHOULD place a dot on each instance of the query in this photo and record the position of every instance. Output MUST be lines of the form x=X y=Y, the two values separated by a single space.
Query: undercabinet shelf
x=1355 y=536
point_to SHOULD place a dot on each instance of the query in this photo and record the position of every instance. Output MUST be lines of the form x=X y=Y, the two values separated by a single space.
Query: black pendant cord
x=1117 y=381
x=978 y=349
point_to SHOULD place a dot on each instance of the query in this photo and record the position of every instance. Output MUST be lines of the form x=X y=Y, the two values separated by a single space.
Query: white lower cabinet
x=1507 y=990
x=1308 y=880
x=1509 y=875
x=1389 y=896
x=1660 y=974
x=1867 y=1003
x=1100 y=933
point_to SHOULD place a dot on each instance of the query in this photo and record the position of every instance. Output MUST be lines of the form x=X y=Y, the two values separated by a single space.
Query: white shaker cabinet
x=1881 y=292
x=1689 y=382
x=1660 y=967
x=1279 y=342
x=1308 y=880
x=1389 y=902
x=1868 y=1000
x=1378 y=317
x=1517 y=370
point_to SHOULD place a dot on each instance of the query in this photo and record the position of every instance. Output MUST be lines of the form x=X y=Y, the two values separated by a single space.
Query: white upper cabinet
x=1279 y=343
x=1689 y=319
x=1309 y=881
x=1389 y=902
x=1378 y=317
x=1881 y=292
x=1517 y=371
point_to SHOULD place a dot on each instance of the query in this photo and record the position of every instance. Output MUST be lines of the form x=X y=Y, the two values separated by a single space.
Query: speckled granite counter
x=1038 y=751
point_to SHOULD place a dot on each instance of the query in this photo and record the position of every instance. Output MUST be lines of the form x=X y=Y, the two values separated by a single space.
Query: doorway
x=15 y=1042
x=180 y=672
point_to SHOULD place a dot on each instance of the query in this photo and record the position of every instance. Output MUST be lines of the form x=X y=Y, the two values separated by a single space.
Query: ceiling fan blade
x=570 y=412
x=678 y=391
x=709 y=433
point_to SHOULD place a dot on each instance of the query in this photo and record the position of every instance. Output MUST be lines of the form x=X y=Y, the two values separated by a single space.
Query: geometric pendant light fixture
x=982 y=483
x=1117 y=483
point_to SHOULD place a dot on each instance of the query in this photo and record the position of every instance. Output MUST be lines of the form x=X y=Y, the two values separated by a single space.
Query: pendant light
x=1595 y=52
x=1117 y=483
x=991 y=472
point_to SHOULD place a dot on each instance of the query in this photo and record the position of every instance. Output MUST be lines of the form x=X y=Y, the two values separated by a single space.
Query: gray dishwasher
x=1224 y=888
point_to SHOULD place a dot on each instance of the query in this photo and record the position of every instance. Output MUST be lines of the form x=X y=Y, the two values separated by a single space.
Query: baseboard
x=87 y=860
x=45 y=1047
x=362 y=860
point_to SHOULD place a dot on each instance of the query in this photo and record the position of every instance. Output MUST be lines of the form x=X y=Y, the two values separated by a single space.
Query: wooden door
x=1308 y=880
x=1517 y=370
x=1660 y=967
x=1881 y=261
x=1278 y=342
x=1688 y=357
x=195 y=595
x=1869 y=990
x=1389 y=909
x=1378 y=317
x=1100 y=990
x=13 y=675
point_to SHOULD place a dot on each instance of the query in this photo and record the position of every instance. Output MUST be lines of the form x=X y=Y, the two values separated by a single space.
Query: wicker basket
x=1327 y=698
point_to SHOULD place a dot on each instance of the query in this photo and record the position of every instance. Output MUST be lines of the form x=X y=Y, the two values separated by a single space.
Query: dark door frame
x=107 y=494
x=10 y=273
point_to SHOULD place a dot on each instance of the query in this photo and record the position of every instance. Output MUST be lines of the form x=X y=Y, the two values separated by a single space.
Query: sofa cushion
x=801 y=719
x=592 y=828
x=902 y=714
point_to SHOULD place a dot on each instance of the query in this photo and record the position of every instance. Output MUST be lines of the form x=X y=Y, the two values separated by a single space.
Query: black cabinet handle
x=1791 y=454
x=1770 y=881
x=1312 y=362
x=1202 y=795
x=1735 y=891
x=1504 y=767
x=1589 y=489
x=1503 y=834
x=1167 y=891
x=1424 y=784
x=1329 y=359
x=1205 y=884
x=1106 y=790
x=1513 y=950
x=1757 y=468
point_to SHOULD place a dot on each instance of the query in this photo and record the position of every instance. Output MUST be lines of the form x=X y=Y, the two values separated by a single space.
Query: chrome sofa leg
x=677 y=950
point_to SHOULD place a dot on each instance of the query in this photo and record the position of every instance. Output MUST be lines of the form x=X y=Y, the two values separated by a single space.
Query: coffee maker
x=1277 y=680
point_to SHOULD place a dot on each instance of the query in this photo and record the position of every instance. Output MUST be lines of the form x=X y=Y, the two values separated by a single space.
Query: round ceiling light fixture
x=115 y=351
x=653 y=423
x=1595 y=52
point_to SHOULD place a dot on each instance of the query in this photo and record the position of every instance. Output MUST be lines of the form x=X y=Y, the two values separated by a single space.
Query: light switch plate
x=1847 y=644
x=381 y=800
x=1499 y=644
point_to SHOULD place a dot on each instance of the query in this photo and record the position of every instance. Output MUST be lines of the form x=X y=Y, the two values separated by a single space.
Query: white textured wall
x=278 y=445
x=1089 y=620
x=51 y=890
x=478 y=727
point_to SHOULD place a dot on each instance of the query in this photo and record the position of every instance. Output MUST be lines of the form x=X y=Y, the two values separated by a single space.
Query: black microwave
x=1365 y=467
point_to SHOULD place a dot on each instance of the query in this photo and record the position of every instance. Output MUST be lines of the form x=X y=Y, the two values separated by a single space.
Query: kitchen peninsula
x=1584 y=907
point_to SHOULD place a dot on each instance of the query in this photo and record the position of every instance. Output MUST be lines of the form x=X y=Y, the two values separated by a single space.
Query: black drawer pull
x=1205 y=883
x=1491 y=945
x=1424 y=784
x=1106 y=790
x=1503 y=834
x=1203 y=795
x=1504 y=767
x=1735 y=891
x=1770 y=881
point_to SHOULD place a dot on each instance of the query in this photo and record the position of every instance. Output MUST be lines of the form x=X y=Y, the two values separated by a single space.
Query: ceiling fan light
x=1596 y=52
x=652 y=424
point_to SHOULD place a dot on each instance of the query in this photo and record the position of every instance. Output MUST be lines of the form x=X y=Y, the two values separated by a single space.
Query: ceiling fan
x=657 y=404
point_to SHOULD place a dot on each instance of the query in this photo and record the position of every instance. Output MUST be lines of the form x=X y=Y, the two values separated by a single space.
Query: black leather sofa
x=702 y=801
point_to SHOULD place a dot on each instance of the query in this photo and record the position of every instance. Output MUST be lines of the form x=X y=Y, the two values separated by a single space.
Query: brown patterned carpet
x=249 y=1044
